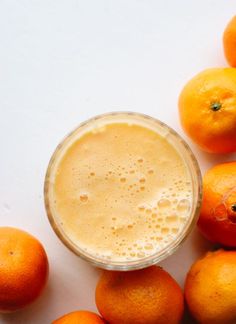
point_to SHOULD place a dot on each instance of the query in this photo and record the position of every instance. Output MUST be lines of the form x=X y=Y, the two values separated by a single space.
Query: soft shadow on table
x=199 y=243
x=217 y=158
x=210 y=159
x=188 y=319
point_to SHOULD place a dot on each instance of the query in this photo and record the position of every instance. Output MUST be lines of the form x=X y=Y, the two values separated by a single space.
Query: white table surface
x=64 y=61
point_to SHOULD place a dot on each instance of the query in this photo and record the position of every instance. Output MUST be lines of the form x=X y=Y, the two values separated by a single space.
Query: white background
x=64 y=61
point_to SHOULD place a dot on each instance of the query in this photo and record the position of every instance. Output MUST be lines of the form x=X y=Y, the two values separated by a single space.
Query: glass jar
x=163 y=130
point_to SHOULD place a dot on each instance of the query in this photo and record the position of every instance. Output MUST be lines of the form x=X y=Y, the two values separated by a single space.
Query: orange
x=79 y=317
x=207 y=109
x=210 y=288
x=147 y=296
x=217 y=219
x=23 y=269
x=229 y=42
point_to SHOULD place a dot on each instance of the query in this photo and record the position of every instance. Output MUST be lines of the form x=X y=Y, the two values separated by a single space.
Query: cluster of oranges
x=207 y=107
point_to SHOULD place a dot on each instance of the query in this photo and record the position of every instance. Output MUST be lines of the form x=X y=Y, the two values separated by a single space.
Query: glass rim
x=156 y=257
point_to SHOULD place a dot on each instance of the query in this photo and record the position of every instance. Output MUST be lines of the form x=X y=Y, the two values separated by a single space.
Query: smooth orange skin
x=147 y=296
x=210 y=288
x=213 y=131
x=23 y=269
x=229 y=42
x=217 y=220
x=80 y=317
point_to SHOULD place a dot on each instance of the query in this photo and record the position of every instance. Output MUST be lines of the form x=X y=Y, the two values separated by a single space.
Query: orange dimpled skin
x=217 y=219
x=229 y=42
x=210 y=288
x=23 y=269
x=147 y=296
x=80 y=317
x=207 y=109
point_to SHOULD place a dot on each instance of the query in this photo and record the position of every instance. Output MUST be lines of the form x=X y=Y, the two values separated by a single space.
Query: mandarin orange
x=229 y=42
x=23 y=269
x=217 y=219
x=147 y=296
x=80 y=317
x=207 y=109
x=210 y=288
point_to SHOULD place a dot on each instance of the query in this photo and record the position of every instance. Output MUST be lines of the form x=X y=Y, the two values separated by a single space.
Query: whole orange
x=207 y=109
x=210 y=288
x=147 y=296
x=23 y=269
x=80 y=317
x=229 y=42
x=217 y=219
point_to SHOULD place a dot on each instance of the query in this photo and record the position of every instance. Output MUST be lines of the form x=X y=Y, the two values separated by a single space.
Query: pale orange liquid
x=122 y=192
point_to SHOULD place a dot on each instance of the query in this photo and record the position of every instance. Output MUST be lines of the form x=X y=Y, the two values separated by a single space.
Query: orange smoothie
x=122 y=192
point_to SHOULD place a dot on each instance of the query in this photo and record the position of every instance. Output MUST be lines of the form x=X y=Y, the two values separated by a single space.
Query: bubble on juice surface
x=148 y=246
x=171 y=218
x=141 y=208
x=142 y=180
x=182 y=219
x=165 y=230
x=83 y=197
x=163 y=203
x=140 y=160
x=183 y=206
x=141 y=254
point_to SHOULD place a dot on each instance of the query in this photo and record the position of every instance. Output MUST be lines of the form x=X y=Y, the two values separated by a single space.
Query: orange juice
x=122 y=191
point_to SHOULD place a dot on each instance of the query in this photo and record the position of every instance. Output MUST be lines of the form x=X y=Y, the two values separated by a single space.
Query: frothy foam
x=122 y=192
